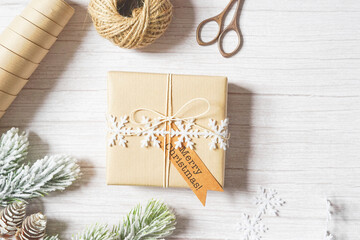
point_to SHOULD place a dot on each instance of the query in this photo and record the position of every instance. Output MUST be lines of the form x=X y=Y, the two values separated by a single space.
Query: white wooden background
x=294 y=106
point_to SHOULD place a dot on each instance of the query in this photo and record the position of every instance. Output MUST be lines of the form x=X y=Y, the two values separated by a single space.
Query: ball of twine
x=146 y=23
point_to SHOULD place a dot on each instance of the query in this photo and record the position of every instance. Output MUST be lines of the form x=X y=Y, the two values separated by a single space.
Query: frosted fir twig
x=45 y=175
x=95 y=232
x=156 y=221
x=13 y=150
x=52 y=237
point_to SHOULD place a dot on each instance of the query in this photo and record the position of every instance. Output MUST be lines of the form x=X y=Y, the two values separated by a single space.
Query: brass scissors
x=219 y=19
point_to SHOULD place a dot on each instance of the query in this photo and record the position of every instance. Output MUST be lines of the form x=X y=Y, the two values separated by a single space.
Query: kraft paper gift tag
x=15 y=64
x=57 y=10
x=21 y=46
x=2 y=114
x=130 y=163
x=5 y=100
x=31 y=32
x=10 y=83
x=41 y=21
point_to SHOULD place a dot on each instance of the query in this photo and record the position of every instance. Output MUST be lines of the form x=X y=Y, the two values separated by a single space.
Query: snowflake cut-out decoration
x=219 y=134
x=329 y=236
x=251 y=227
x=151 y=134
x=329 y=213
x=185 y=131
x=267 y=202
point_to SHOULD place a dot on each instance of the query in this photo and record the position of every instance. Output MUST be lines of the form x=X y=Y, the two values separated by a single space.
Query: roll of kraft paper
x=26 y=42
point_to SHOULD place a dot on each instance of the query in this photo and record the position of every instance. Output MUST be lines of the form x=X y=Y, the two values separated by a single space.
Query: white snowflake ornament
x=251 y=227
x=185 y=133
x=219 y=134
x=150 y=133
x=329 y=236
x=117 y=130
x=268 y=202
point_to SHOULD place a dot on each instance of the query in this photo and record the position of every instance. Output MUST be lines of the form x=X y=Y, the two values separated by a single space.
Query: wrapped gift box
x=133 y=159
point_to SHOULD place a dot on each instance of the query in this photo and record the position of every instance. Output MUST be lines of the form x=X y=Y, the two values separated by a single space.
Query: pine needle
x=52 y=237
x=156 y=221
x=45 y=175
x=96 y=232
x=13 y=150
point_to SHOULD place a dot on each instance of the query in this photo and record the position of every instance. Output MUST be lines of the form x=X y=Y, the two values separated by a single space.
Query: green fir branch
x=154 y=222
x=96 y=232
x=45 y=175
x=52 y=237
x=13 y=150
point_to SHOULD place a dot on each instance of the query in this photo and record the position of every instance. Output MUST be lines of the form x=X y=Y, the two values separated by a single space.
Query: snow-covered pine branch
x=51 y=238
x=45 y=175
x=96 y=232
x=13 y=150
x=154 y=222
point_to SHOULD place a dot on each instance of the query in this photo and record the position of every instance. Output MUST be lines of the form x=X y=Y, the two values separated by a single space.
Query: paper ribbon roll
x=22 y=46
x=11 y=84
x=57 y=10
x=5 y=100
x=42 y=21
x=26 y=42
x=15 y=64
x=31 y=32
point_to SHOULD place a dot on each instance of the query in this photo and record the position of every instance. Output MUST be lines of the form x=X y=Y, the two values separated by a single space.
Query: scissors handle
x=233 y=26
x=216 y=19
x=219 y=19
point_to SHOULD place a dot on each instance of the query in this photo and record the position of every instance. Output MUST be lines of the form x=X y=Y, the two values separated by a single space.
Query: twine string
x=146 y=23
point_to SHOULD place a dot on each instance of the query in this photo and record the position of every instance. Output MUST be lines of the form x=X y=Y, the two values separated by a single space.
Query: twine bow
x=173 y=118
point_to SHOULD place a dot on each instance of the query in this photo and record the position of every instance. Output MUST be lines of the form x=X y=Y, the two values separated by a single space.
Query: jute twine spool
x=145 y=24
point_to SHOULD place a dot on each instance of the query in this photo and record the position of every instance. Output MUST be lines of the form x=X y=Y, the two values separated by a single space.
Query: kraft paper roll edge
x=32 y=32
x=11 y=84
x=41 y=21
x=57 y=10
x=15 y=64
x=5 y=101
x=22 y=46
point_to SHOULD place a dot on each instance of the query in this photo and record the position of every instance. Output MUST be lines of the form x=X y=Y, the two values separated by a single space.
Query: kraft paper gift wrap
x=134 y=165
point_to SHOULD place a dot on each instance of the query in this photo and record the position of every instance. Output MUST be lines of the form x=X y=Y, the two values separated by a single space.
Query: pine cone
x=11 y=218
x=33 y=228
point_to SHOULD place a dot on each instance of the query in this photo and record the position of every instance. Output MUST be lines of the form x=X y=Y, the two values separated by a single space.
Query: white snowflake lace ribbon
x=185 y=132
